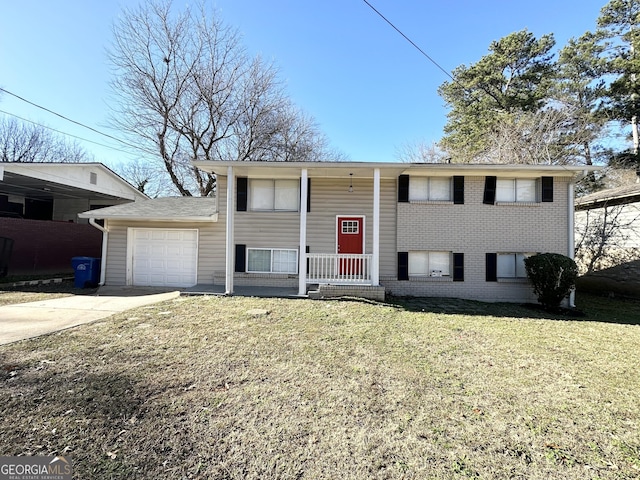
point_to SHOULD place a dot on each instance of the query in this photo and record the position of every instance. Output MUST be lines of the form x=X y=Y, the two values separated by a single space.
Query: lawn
x=246 y=388
x=34 y=293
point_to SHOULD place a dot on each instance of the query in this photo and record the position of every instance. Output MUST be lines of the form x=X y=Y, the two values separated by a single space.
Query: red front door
x=350 y=236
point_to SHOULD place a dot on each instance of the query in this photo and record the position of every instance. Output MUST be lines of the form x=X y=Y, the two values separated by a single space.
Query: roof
x=610 y=196
x=167 y=209
x=44 y=181
x=387 y=169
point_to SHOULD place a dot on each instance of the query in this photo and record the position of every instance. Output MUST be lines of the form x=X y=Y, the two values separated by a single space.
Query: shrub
x=553 y=277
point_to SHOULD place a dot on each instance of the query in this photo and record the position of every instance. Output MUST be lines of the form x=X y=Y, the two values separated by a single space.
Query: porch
x=316 y=292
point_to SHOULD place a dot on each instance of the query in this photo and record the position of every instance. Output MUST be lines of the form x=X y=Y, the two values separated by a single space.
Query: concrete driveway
x=27 y=320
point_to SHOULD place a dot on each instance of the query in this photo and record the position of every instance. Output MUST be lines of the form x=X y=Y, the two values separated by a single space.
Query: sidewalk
x=28 y=320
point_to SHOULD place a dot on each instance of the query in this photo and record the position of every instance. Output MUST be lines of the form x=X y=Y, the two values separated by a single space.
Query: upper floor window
x=430 y=189
x=274 y=195
x=516 y=190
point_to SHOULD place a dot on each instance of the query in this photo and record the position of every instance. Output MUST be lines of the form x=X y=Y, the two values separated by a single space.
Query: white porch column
x=375 y=261
x=229 y=258
x=302 y=267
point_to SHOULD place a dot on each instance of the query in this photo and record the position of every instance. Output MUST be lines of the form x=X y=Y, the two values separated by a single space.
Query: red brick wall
x=47 y=247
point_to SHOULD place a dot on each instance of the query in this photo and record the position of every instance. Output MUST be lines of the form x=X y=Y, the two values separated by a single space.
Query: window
x=272 y=260
x=350 y=227
x=430 y=264
x=429 y=189
x=516 y=189
x=511 y=265
x=274 y=195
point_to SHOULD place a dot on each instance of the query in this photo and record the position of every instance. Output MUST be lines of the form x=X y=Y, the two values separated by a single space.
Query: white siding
x=210 y=249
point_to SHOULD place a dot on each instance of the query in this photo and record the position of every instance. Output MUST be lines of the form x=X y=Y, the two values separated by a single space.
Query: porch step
x=358 y=291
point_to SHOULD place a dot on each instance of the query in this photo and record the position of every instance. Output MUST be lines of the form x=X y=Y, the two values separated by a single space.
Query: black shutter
x=458 y=190
x=308 y=195
x=492 y=267
x=241 y=258
x=489 y=190
x=547 y=189
x=458 y=267
x=241 y=194
x=403 y=265
x=403 y=188
x=307 y=249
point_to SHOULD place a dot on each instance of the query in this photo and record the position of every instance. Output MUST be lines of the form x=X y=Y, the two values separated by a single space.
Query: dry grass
x=34 y=293
x=201 y=388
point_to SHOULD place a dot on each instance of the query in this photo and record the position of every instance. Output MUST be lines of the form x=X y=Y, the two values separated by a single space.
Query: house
x=39 y=206
x=450 y=230
x=608 y=240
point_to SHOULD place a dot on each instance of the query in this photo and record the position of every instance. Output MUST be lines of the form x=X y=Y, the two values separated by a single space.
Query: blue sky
x=370 y=91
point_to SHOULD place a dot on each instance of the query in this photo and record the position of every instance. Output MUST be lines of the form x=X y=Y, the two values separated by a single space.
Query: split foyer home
x=355 y=228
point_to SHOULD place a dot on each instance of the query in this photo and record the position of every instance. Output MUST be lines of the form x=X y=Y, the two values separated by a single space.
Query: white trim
x=207 y=219
x=129 y=267
x=302 y=264
x=571 y=237
x=364 y=231
x=375 y=261
x=229 y=245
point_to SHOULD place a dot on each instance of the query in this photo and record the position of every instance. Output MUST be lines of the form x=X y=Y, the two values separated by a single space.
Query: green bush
x=553 y=277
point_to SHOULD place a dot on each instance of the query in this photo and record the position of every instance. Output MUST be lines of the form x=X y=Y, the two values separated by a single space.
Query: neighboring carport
x=39 y=206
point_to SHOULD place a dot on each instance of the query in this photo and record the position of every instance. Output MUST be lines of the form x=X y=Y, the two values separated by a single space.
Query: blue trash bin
x=87 y=272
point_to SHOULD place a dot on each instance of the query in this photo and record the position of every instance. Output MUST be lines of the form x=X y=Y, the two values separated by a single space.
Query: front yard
x=212 y=387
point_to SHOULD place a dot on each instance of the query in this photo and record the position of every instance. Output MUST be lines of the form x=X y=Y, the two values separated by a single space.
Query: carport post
x=229 y=262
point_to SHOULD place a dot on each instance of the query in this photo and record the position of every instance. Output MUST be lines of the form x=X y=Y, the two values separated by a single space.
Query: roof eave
x=193 y=219
x=396 y=168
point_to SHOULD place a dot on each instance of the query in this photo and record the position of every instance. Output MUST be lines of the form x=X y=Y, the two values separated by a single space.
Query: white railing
x=339 y=268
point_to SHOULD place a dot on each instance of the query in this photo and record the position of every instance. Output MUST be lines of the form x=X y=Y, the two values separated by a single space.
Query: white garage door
x=164 y=257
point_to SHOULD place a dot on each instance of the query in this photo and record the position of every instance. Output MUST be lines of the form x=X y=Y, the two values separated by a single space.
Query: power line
x=410 y=41
x=72 y=121
x=62 y=133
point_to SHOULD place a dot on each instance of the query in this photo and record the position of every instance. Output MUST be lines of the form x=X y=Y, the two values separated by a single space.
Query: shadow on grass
x=589 y=308
x=66 y=286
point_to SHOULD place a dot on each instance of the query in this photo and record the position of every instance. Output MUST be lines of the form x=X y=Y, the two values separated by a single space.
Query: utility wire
x=70 y=120
x=410 y=41
x=61 y=132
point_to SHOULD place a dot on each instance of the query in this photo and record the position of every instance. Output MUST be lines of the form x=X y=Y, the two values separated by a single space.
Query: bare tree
x=421 y=152
x=549 y=136
x=187 y=90
x=148 y=177
x=607 y=236
x=25 y=142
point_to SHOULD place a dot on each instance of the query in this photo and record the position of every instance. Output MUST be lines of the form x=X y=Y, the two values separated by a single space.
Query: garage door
x=164 y=257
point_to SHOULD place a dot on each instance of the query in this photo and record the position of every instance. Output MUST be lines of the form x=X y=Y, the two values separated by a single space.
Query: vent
x=93 y=178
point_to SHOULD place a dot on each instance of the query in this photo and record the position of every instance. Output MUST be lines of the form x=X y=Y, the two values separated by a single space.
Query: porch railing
x=339 y=268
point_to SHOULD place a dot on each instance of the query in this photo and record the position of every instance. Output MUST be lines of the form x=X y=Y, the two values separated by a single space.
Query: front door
x=350 y=240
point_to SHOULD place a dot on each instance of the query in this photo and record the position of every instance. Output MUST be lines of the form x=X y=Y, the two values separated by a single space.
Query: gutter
x=105 y=238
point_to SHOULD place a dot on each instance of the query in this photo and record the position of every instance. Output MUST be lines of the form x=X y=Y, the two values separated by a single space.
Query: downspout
x=571 y=235
x=105 y=238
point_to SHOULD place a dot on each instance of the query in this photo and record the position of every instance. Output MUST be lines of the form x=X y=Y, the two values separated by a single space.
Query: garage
x=164 y=257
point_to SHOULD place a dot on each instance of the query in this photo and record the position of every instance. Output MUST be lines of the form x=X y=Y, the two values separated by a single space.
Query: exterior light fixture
x=351 y=183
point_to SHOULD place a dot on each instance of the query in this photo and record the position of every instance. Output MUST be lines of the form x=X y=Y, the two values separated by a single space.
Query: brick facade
x=43 y=247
